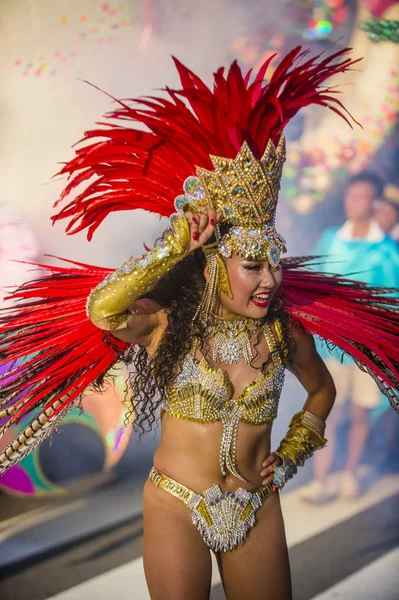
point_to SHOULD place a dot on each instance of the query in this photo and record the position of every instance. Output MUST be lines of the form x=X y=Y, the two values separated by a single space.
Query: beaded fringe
x=224 y=518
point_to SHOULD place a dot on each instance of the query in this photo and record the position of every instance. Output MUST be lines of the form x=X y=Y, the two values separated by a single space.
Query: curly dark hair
x=179 y=292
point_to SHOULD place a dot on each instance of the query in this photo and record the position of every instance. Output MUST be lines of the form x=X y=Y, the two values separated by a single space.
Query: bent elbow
x=96 y=312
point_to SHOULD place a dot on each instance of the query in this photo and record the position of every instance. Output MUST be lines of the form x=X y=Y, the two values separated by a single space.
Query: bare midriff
x=189 y=453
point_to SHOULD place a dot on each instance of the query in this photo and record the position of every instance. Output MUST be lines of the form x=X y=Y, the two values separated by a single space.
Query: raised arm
x=119 y=304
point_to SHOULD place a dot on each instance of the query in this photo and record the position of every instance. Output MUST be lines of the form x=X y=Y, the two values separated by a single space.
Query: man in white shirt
x=361 y=250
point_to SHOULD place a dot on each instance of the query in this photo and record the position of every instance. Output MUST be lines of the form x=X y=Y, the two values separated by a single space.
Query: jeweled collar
x=232 y=338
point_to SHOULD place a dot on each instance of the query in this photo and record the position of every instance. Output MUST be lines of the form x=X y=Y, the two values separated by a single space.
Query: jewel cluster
x=232 y=339
x=264 y=244
x=224 y=518
x=283 y=474
x=245 y=191
x=194 y=197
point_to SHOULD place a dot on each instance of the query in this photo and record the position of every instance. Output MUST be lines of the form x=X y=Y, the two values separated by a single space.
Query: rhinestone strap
x=185 y=494
x=228 y=444
x=170 y=485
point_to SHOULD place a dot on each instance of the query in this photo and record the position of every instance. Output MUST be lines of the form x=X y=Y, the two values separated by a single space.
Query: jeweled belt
x=222 y=518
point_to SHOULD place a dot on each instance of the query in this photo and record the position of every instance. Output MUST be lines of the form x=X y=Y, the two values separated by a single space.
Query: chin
x=259 y=313
x=250 y=311
x=256 y=312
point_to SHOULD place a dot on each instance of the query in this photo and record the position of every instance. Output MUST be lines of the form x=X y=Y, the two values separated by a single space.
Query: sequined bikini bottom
x=222 y=518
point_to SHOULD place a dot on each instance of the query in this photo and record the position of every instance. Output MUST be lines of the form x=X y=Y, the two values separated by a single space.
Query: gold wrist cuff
x=301 y=439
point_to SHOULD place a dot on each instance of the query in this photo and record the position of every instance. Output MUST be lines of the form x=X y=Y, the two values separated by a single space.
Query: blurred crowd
x=365 y=248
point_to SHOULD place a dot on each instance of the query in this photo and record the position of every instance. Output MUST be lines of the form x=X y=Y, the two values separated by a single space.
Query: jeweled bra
x=202 y=394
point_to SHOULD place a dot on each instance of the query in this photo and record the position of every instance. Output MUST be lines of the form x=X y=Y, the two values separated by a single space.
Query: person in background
x=17 y=243
x=359 y=249
x=387 y=212
x=387 y=216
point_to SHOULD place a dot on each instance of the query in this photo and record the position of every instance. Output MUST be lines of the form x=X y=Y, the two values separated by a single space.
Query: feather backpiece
x=52 y=353
x=360 y=320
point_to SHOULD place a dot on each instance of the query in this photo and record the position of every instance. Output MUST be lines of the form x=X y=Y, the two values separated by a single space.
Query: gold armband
x=304 y=436
x=108 y=303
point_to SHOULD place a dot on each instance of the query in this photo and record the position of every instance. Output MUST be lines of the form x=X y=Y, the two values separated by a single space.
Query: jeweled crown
x=245 y=190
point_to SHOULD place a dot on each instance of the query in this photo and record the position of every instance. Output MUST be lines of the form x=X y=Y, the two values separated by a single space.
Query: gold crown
x=245 y=191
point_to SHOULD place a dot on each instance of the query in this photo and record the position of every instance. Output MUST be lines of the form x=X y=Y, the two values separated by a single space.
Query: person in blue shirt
x=387 y=213
x=361 y=250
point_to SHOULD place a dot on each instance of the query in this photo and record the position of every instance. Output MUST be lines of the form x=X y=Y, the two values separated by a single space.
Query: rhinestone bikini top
x=205 y=395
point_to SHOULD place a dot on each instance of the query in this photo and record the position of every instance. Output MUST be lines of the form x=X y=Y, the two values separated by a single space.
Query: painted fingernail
x=195 y=220
x=195 y=236
x=212 y=222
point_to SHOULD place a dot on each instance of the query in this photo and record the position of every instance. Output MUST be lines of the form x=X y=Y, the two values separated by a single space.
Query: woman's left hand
x=267 y=473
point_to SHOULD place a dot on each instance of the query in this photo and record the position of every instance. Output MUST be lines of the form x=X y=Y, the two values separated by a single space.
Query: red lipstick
x=260 y=303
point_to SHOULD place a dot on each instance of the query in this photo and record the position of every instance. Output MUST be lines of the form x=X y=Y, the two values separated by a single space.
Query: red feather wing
x=53 y=352
x=362 y=321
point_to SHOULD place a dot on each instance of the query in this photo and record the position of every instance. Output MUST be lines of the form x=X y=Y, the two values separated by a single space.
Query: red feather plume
x=123 y=168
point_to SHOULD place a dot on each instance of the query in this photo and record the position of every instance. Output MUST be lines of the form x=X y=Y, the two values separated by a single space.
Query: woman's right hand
x=202 y=227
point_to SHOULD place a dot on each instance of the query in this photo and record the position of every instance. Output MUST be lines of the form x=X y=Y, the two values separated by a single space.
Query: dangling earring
x=223 y=278
x=208 y=302
x=218 y=280
x=277 y=304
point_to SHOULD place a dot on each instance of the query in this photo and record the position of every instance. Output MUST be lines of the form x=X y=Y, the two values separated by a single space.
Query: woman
x=210 y=319
x=209 y=446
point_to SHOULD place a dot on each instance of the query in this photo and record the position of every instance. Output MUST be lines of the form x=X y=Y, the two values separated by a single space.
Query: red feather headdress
x=132 y=168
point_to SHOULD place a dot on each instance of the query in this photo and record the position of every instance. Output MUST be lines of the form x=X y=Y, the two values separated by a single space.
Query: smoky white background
x=43 y=113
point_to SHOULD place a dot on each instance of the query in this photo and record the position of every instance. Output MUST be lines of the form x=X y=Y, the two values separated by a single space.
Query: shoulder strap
x=276 y=338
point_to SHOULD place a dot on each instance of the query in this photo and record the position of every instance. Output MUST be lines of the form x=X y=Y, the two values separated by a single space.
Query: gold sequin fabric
x=202 y=394
x=108 y=304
